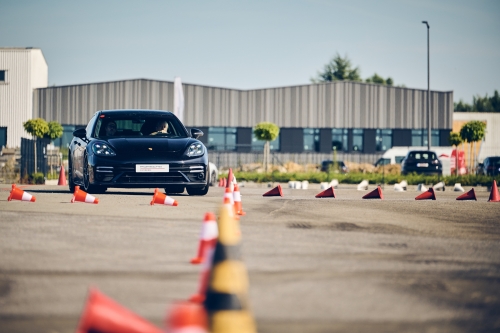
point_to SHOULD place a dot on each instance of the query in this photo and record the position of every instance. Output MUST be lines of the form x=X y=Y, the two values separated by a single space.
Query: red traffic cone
x=221 y=182
x=162 y=199
x=102 y=314
x=237 y=201
x=62 y=177
x=274 y=192
x=208 y=237
x=187 y=317
x=427 y=195
x=375 y=194
x=18 y=194
x=206 y=269
x=328 y=193
x=82 y=196
x=494 y=197
x=471 y=195
x=230 y=183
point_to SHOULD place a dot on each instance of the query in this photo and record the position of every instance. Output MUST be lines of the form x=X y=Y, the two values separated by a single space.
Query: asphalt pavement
x=339 y=264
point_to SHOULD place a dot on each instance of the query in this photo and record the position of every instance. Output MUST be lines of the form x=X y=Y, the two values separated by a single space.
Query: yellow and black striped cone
x=226 y=299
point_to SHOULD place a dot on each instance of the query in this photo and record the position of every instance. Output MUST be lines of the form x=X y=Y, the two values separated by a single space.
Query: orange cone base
x=241 y=213
x=428 y=195
x=471 y=195
x=197 y=298
x=274 y=192
x=196 y=261
x=187 y=317
x=494 y=197
x=375 y=194
x=328 y=193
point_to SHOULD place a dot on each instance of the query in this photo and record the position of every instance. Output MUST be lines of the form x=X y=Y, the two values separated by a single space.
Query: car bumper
x=107 y=172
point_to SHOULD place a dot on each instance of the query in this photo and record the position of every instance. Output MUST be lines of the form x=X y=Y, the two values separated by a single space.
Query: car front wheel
x=197 y=191
x=87 y=187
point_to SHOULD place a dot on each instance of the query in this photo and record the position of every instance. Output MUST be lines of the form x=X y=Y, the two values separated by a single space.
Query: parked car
x=421 y=161
x=327 y=164
x=490 y=166
x=138 y=149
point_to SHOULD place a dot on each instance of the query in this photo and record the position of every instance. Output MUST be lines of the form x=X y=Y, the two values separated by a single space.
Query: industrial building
x=358 y=120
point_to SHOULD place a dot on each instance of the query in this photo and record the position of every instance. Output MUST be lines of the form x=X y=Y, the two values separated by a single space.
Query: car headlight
x=195 y=149
x=102 y=149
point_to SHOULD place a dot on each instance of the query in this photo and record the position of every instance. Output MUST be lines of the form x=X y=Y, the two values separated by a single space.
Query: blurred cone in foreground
x=238 y=207
x=471 y=195
x=18 y=194
x=162 y=199
x=328 y=193
x=206 y=268
x=230 y=182
x=494 y=197
x=274 y=192
x=226 y=299
x=62 y=176
x=82 y=196
x=187 y=317
x=375 y=194
x=208 y=237
x=102 y=314
x=428 y=195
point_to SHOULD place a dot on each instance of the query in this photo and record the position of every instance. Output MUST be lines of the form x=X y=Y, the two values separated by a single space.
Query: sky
x=251 y=44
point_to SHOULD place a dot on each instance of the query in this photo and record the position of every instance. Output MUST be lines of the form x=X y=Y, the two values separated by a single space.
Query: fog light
x=201 y=175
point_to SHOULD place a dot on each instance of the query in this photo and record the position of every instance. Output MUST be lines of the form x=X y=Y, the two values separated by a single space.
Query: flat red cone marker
x=375 y=194
x=274 y=192
x=494 y=197
x=471 y=195
x=328 y=193
x=427 y=195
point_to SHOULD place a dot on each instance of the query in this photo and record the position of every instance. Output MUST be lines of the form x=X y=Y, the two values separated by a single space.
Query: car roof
x=141 y=112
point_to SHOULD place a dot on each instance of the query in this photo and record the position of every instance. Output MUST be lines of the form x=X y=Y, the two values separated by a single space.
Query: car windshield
x=123 y=125
x=422 y=155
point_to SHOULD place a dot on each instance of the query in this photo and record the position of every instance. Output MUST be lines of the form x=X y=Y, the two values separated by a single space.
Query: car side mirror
x=80 y=133
x=196 y=133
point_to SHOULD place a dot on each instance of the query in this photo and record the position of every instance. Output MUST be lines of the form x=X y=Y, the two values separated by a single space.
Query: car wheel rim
x=86 y=182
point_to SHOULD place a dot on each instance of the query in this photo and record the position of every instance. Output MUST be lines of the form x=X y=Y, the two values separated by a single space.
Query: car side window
x=90 y=126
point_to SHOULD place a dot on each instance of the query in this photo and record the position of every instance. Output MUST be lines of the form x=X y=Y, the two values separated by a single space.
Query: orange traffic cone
x=471 y=195
x=82 y=196
x=375 y=194
x=102 y=314
x=187 y=317
x=237 y=201
x=208 y=237
x=274 y=192
x=162 y=199
x=206 y=269
x=494 y=197
x=328 y=193
x=62 y=177
x=221 y=182
x=427 y=195
x=230 y=183
x=18 y=194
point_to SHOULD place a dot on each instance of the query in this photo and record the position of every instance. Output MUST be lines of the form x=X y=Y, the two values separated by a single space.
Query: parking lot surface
x=339 y=264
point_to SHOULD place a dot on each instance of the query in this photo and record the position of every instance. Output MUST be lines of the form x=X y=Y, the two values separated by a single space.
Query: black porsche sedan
x=421 y=161
x=138 y=149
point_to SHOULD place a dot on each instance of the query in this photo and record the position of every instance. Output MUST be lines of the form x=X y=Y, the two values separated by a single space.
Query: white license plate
x=422 y=165
x=151 y=168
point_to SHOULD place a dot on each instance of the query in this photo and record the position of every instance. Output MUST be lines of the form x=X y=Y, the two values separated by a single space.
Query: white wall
x=26 y=70
x=491 y=144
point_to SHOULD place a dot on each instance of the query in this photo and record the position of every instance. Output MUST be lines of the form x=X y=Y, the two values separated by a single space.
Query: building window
x=419 y=138
x=3 y=76
x=311 y=139
x=357 y=139
x=339 y=139
x=258 y=145
x=384 y=139
x=222 y=138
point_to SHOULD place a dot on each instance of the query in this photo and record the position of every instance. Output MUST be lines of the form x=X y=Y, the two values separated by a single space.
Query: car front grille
x=178 y=173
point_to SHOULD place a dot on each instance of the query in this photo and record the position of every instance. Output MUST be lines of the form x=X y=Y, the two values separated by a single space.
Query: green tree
x=461 y=106
x=55 y=130
x=481 y=104
x=455 y=139
x=338 y=69
x=268 y=132
x=37 y=128
x=495 y=102
x=471 y=132
x=377 y=79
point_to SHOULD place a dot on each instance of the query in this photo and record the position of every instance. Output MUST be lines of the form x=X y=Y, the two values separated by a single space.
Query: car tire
x=71 y=184
x=197 y=191
x=87 y=187
x=213 y=176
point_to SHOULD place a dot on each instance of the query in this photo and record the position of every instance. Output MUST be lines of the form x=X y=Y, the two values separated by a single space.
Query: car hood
x=140 y=146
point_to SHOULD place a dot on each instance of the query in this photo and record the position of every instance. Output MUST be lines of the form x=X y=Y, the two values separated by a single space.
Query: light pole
x=428 y=92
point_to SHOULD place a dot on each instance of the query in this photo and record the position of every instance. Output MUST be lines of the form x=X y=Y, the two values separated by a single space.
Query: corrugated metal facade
x=26 y=69
x=327 y=105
